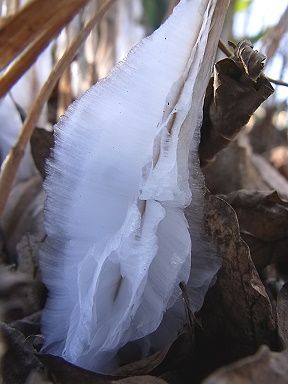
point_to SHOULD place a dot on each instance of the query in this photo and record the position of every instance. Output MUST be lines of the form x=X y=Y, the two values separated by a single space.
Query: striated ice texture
x=118 y=243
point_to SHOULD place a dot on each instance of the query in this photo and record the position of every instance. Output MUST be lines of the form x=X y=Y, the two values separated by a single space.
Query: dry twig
x=40 y=42
x=37 y=17
x=15 y=155
x=275 y=35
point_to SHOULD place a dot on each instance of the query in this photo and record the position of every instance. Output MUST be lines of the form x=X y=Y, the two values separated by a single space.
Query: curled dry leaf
x=231 y=98
x=279 y=159
x=264 y=367
x=16 y=298
x=162 y=361
x=36 y=378
x=171 y=357
x=282 y=315
x=66 y=373
x=27 y=252
x=263 y=214
x=29 y=325
x=248 y=59
x=237 y=314
x=23 y=213
x=263 y=219
x=19 y=360
x=41 y=143
x=221 y=179
x=140 y=380
x=143 y=366
x=271 y=177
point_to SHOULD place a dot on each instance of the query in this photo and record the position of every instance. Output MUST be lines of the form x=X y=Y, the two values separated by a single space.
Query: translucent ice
x=118 y=243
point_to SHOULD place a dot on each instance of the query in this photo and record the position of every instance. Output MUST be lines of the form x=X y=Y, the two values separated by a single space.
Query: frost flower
x=118 y=243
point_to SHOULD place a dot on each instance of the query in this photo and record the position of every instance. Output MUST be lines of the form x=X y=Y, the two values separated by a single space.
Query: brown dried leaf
x=169 y=358
x=237 y=315
x=246 y=170
x=223 y=179
x=66 y=373
x=136 y=372
x=279 y=159
x=264 y=367
x=23 y=213
x=261 y=214
x=36 y=378
x=19 y=360
x=271 y=177
x=27 y=252
x=231 y=99
x=263 y=219
x=282 y=315
x=140 y=380
x=265 y=253
x=41 y=141
x=248 y=59
x=16 y=295
x=29 y=325
x=143 y=366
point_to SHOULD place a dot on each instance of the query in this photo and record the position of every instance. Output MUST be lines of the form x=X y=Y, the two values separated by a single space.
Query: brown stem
x=38 y=15
x=277 y=82
x=25 y=59
x=15 y=155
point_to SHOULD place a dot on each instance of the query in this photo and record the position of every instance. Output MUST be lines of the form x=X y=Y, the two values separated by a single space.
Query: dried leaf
x=143 y=366
x=246 y=170
x=264 y=215
x=169 y=358
x=42 y=141
x=270 y=175
x=36 y=378
x=263 y=220
x=279 y=159
x=27 y=251
x=249 y=59
x=66 y=373
x=19 y=360
x=23 y=213
x=29 y=325
x=221 y=179
x=282 y=315
x=237 y=314
x=264 y=367
x=15 y=295
x=140 y=380
x=264 y=253
x=231 y=99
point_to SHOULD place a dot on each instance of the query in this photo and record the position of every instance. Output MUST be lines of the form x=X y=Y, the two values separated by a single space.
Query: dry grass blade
x=37 y=16
x=15 y=155
x=23 y=62
x=275 y=35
